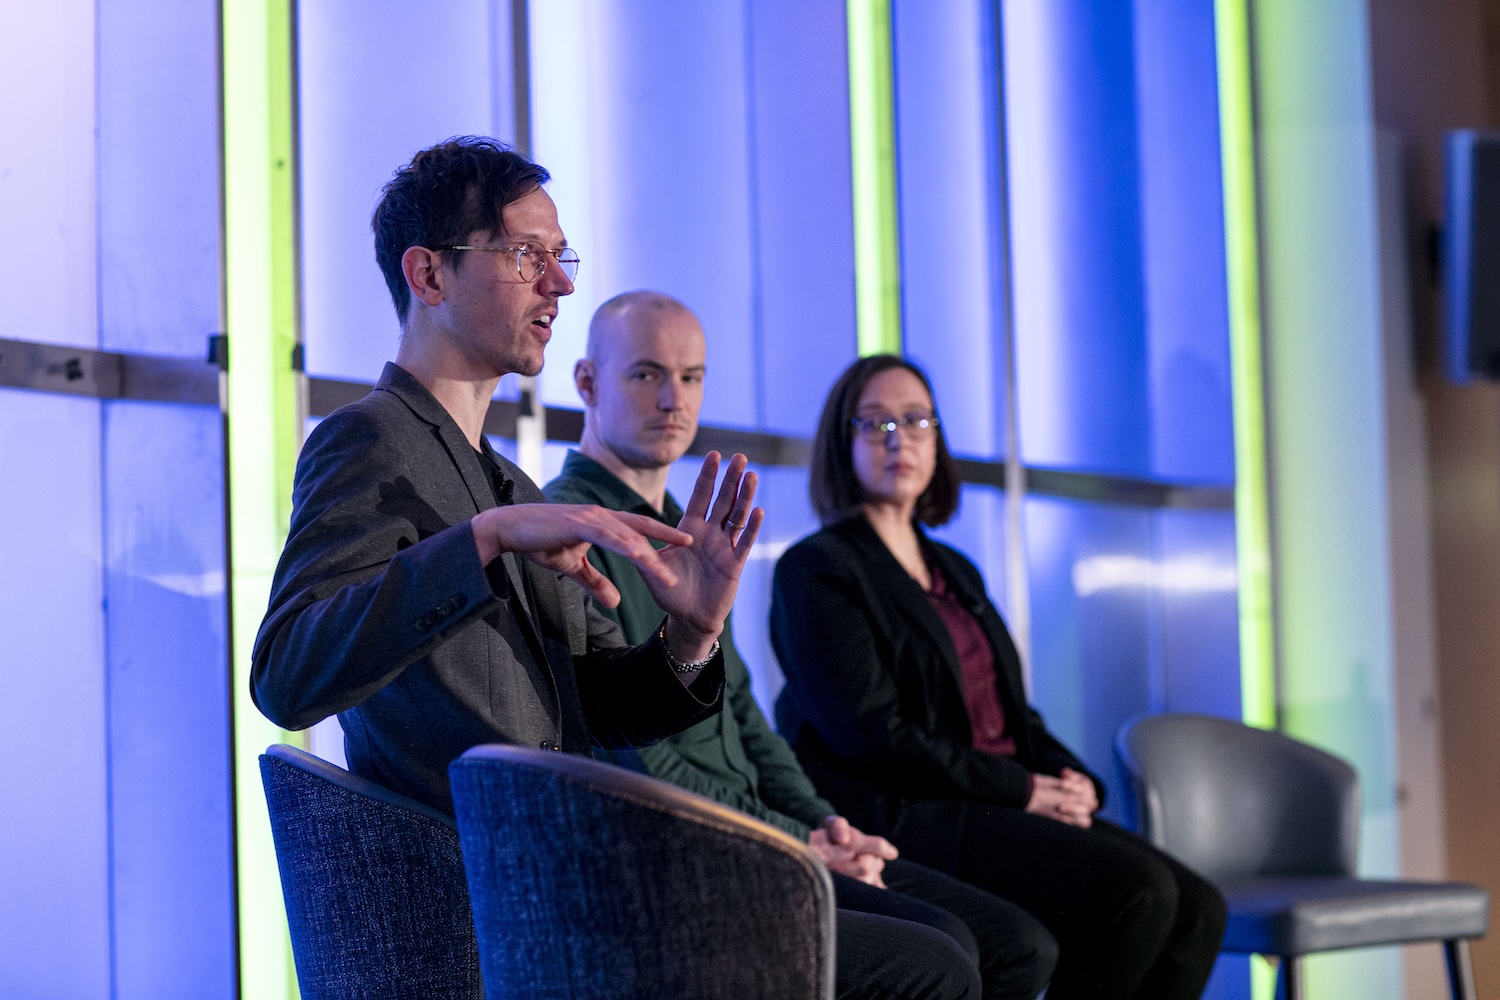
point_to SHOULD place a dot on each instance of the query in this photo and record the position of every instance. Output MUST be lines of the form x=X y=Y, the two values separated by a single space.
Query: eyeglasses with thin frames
x=531 y=259
x=915 y=426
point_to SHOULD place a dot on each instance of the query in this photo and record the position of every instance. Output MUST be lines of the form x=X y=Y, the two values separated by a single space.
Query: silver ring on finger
x=731 y=526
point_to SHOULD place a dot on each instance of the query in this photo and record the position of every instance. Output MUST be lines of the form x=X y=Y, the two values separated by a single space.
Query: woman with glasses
x=905 y=704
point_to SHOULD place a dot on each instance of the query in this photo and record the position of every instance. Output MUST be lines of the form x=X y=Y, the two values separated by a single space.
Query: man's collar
x=404 y=385
x=612 y=491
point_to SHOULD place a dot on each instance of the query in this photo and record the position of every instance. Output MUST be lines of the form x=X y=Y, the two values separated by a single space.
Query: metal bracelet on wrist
x=688 y=666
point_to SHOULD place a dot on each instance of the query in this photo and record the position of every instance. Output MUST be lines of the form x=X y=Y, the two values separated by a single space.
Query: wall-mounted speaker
x=1471 y=256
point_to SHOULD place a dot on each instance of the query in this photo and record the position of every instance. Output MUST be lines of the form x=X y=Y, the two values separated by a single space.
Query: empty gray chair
x=590 y=881
x=374 y=886
x=1275 y=824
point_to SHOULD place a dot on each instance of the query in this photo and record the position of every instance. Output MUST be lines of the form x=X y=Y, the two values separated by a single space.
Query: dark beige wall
x=1435 y=67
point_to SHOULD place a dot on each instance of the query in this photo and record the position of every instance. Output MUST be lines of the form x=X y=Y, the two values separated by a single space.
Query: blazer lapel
x=1008 y=680
x=898 y=589
x=397 y=380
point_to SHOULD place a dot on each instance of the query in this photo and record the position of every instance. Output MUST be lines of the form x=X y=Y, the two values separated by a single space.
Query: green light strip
x=1251 y=495
x=1251 y=499
x=872 y=154
x=261 y=321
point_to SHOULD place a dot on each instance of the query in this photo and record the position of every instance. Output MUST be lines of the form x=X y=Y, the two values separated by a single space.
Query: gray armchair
x=1275 y=824
x=590 y=881
x=374 y=886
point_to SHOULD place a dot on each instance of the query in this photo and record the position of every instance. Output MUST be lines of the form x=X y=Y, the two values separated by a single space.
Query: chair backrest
x=374 y=886
x=590 y=881
x=1235 y=802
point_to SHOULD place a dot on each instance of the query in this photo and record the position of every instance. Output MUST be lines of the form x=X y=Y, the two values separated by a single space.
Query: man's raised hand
x=707 y=571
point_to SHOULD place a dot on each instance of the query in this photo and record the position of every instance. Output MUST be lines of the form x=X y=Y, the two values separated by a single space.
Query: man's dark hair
x=445 y=193
x=832 y=484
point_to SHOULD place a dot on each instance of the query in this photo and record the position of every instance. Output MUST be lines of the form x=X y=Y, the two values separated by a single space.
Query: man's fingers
x=747 y=537
x=596 y=583
x=652 y=528
x=728 y=490
x=744 y=498
x=703 y=489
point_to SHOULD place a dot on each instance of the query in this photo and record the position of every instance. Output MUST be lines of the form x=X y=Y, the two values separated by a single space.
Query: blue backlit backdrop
x=1057 y=170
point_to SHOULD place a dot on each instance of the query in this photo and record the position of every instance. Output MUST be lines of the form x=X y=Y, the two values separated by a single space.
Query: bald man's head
x=642 y=379
x=614 y=319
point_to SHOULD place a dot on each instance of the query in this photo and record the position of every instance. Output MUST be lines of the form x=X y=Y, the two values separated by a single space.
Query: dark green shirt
x=734 y=757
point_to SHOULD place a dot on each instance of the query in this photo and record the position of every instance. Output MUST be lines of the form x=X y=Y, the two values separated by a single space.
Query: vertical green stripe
x=1252 y=513
x=1251 y=489
x=261 y=321
x=872 y=152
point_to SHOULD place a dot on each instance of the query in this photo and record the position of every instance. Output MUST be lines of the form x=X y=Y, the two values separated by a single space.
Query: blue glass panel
x=667 y=167
x=48 y=182
x=355 y=60
x=1096 y=645
x=159 y=215
x=1182 y=219
x=1198 y=583
x=1074 y=172
x=168 y=641
x=54 y=829
x=801 y=186
x=952 y=306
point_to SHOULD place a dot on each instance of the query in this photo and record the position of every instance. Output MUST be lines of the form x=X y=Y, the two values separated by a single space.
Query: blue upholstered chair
x=1275 y=824
x=374 y=886
x=590 y=881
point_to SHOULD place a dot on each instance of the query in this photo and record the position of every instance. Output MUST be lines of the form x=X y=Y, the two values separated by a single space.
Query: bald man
x=642 y=383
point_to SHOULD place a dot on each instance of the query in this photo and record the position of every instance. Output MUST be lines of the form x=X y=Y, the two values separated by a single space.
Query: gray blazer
x=381 y=612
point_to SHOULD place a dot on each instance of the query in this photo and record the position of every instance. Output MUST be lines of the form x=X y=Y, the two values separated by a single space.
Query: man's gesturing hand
x=707 y=571
x=558 y=536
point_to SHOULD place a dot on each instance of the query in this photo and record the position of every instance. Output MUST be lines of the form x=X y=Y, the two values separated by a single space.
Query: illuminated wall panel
x=159 y=212
x=163 y=477
x=168 y=634
x=1182 y=234
x=1075 y=172
x=667 y=166
x=47 y=204
x=1326 y=395
x=54 y=832
x=804 y=236
x=1197 y=580
x=359 y=118
x=947 y=125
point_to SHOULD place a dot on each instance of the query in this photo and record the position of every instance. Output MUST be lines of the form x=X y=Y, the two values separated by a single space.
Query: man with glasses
x=422 y=592
x=642 y=384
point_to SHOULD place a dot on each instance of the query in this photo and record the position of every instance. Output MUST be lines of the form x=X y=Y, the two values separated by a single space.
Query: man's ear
x=583 y=380
x=421 y=267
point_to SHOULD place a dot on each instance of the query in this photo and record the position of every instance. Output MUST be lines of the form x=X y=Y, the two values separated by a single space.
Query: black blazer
x=874 y=702
x=380 y=611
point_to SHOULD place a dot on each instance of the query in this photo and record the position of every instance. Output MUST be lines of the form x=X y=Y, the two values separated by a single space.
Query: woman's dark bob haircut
x=832 y=484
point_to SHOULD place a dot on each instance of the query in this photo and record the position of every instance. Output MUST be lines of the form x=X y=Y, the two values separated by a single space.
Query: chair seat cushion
x=1303 y=914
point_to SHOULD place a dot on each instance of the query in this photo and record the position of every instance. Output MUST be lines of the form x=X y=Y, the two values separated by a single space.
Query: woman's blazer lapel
x=1008 y=681
x=900 y=594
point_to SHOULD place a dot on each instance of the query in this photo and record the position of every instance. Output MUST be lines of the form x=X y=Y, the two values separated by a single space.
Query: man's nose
x=554 y=281
x=669 y=398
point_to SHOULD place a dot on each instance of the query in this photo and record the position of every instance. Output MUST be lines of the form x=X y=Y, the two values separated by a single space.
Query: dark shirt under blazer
x=874 y=701
x=381 y=612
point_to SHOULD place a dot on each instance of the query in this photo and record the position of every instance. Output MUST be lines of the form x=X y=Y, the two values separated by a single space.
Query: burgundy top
x=977 y=660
